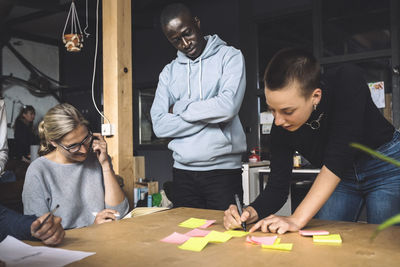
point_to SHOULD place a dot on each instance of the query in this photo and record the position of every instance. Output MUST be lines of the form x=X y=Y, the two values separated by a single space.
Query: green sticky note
x=236 y=233
x=335 y=238
x=193 y=223
x=281 y=246
x=217 y=237
x=194 y=244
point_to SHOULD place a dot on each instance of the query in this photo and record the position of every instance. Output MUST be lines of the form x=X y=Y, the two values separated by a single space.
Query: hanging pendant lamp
x=73 y=41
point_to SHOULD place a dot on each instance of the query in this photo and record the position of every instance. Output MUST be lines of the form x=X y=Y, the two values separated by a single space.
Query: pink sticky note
x=176 y=238
x=197 y=233
x=266 y=240
x=207 y=224
x=311 y=233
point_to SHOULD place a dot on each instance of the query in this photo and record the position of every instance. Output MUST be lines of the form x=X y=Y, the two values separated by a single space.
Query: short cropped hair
x=292 y=64
x=172 y=11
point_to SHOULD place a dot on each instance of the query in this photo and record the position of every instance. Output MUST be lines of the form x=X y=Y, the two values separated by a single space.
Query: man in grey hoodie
x=197 y=101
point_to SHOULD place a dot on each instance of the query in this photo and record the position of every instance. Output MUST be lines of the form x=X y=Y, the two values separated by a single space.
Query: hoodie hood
x=214 y=44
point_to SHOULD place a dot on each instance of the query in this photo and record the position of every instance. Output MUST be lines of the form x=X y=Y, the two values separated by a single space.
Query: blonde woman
x=74 y=171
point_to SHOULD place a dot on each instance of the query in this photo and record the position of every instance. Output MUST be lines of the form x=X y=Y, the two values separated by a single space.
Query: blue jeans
x=373 y=183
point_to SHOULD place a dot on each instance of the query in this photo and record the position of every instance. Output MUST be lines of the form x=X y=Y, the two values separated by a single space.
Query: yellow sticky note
x=194 y=244
x=217 y=237
x=236 y=233
x=193 y=223
x=282 y=246
x=335 y=238
x=277 y=241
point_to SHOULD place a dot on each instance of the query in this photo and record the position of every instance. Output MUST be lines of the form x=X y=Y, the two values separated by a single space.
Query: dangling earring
x=315 y=107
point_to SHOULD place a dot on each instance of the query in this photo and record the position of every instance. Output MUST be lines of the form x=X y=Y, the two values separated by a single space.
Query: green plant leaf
x=375 y=154
x=389 y=222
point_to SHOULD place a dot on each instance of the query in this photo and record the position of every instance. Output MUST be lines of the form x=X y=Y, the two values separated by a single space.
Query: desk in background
x=250 y=176
x=136 y=242
x=254 y=182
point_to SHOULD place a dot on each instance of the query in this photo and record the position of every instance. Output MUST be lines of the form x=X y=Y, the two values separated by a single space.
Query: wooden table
x=136 y=242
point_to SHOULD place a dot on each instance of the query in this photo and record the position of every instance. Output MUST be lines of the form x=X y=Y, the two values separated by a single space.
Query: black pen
x=47 y=217
x=239 y=206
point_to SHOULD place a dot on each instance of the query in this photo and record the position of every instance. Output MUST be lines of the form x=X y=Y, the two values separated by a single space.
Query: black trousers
x=213 y=189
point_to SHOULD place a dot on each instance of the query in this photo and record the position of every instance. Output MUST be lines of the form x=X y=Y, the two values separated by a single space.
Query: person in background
x=74 y=171
x=197 y=102
x=320 y=117
x=24 y=227
x=24 y=134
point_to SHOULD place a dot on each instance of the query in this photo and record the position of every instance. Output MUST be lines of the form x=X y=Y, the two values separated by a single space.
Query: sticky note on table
x=277 y=241
x=193 y=223
x=194 y=244
x=333 y=239
x=197 y=233
x=281 y=246
x=207 y=224
x=312 y=233
x=176 y=238
x=258 y=240
x=217 y=237
x=236 y=233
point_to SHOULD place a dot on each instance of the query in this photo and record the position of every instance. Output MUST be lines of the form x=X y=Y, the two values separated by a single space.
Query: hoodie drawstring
x=201 y=91
x=188 y=78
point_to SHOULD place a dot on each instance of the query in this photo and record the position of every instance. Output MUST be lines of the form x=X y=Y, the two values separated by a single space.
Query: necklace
x=315 y=124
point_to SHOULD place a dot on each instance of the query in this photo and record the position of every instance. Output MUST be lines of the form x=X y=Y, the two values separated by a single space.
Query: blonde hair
x=58 y=121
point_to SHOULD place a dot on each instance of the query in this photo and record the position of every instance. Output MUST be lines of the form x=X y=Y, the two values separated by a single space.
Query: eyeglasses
x=76 y=147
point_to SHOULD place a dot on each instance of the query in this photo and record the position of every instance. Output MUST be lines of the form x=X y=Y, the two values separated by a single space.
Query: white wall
x=45 y=58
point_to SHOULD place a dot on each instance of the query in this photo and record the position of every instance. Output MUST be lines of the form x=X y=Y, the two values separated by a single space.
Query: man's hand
x=51 y=233
x=233 y=220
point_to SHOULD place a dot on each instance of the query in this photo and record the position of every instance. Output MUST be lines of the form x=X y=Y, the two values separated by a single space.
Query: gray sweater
x=77 y=187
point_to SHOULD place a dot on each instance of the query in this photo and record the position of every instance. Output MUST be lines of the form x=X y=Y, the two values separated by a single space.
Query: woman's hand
x=277 y=224
x=51 y=233
x=233 y=220
x=106 y=215
x=100 y=147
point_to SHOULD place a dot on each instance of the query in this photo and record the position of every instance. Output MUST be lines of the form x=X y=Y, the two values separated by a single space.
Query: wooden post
x=117 y=82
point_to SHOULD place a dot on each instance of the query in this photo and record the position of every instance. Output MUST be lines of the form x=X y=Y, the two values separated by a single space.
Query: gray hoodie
x=207 y=94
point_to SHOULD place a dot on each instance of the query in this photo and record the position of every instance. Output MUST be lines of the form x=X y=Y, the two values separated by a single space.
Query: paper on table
x=197 y=233
x=335 y=238
x=193 y=223
x=266 y=240
x=217 y=237
x=176 y=238
x=207 y=224
x=16 y=253
x=236 y=233
x=194 y=244
x=281 y=246
x=140 y=211
x=311 y=232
